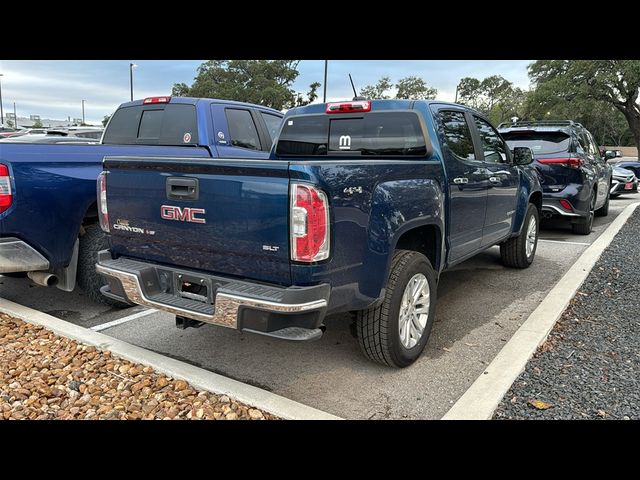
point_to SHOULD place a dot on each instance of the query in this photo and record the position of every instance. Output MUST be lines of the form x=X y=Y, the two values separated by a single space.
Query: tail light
x=566 y=205
x=309 y=224
x=349 y=107
x=6 y=196
x=103 y=213
x=569 y=162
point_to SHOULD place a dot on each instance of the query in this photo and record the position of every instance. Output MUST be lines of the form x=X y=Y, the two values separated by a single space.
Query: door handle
x=182 y=188
x=494 y=180
x=460 y=180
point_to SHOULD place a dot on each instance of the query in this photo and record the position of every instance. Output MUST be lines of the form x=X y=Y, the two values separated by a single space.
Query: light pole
x=1 y=108
x=456 y=100
x=131 y=67
x=15 y=117
x=82 y=112
x=324 y=85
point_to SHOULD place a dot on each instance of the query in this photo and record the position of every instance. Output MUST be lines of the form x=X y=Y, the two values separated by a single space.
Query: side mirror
x=522 y=155
x=609 y=154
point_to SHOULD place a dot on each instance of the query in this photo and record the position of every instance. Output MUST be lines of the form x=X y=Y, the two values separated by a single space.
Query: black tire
x=378 y=327
x=513 y=252
x=584 y=225
x=603 y=211
x=87 y=278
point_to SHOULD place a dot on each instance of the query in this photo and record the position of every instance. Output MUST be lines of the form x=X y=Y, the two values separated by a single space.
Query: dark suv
x=575 y=178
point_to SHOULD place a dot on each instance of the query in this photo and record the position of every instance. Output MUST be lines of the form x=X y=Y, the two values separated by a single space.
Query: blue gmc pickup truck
x=360 y=207
x=48 y=214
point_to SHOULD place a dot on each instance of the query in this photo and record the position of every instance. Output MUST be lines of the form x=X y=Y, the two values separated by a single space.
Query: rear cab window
x=156 y=124
x=541 y=143
x=383 y=133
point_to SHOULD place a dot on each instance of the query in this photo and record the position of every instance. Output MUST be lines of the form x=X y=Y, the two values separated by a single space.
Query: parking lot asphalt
x=481 y=304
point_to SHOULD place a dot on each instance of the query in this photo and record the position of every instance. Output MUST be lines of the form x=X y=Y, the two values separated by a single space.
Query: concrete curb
x=483 y=397
x=197 y=377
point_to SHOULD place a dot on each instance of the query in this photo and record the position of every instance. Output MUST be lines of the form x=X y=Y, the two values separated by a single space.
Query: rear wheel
x=395 y=332
x=584 y=225
x=518 y=252
x=603 y=211
x=88 y=279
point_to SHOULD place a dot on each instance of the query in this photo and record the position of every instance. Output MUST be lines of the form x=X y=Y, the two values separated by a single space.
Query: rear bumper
x=284 y=312
x=17 y=256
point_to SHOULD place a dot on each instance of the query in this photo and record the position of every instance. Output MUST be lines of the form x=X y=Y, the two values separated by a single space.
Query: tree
x=494 y=96
x=377 y=91
x=311 y=95
x=411 y=88
x=37 y=124
x=265 y=82
x=415 y=88
x=612 y=82
x=105 y=120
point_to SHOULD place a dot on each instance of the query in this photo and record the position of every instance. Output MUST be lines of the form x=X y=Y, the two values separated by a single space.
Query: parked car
x=575 y=178
x=48 y=212
x=633 y=165
x=49 y=138
x=360 y=208
x=623 y=181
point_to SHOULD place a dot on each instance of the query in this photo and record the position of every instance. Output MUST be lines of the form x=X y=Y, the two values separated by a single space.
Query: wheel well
x=91 y=215
x=536 y=199
x=426 y=240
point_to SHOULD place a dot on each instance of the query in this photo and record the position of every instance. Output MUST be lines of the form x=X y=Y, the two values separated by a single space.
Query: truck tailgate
x=226 y=216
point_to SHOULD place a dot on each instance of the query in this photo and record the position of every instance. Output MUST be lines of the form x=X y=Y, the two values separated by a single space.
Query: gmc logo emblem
x=182 y=214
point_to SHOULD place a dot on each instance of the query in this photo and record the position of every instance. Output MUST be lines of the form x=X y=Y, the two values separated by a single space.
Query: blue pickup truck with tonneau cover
x=48 y=211
x=360 y=207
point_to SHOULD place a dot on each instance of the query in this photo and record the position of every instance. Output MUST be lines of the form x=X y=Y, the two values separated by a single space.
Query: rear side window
x=373 y=134
x=242 y=129
x=273 y=124
x=541 y=143
x=172 y=124
x=457 y=134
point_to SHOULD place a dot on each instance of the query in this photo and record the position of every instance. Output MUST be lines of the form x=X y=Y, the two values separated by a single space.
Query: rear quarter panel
x=373 y=202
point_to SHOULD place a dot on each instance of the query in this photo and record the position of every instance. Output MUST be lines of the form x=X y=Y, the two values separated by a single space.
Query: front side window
x=242 y=129
x=492 y=145
x=457 y=134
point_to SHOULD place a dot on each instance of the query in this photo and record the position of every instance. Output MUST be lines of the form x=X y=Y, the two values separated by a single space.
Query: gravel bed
x=589 y=367
x=45 y=376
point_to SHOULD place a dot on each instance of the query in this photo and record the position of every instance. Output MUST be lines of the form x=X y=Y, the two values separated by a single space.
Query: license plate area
x=193 y=287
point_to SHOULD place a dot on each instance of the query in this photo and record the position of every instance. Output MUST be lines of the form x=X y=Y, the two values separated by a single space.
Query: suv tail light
x=309 y=224
x=6 y=196
x=349 y=107
x=103 y=213
x=569 y=162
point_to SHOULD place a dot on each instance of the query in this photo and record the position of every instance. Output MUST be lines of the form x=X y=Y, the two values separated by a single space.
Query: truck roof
x=193 y=101
x=391 y=104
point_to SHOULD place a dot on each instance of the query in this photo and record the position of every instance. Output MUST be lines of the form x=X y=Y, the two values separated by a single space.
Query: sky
x=55 y=88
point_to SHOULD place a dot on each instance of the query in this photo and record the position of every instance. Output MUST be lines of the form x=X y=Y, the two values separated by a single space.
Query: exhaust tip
x=44 y=279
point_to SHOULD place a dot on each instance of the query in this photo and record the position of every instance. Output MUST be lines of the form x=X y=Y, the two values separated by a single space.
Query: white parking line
x=120 y=321
x=560 y=241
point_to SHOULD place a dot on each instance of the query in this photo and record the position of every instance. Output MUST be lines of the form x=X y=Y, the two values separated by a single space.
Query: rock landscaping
x=45 y=376
x=589 y=367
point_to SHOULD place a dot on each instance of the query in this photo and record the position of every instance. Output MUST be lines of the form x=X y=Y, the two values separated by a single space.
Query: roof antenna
x=355 y=93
